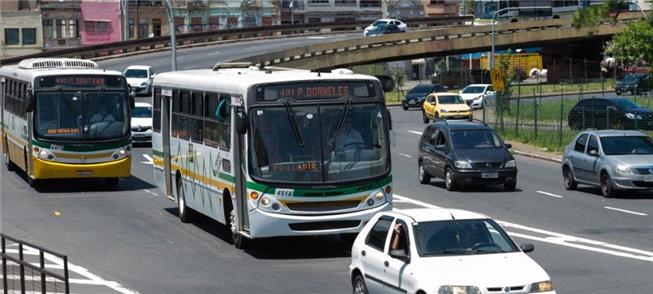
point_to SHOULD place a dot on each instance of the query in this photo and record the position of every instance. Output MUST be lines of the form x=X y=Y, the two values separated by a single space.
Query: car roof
x=614 y=133
x=437 y=214
x=445 y=94
x=462 y=124
x=142 y=104
x=478 y=85
x=138 y=67
x=386 y=19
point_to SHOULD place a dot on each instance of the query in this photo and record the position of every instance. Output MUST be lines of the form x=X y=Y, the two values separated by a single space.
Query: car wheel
x=449 y=182
x=359 y=285
x=570 y=183
x=423 y=176
x=425 y=119
x=404 y=107
x=606 y=185
x=510 y=186
x=185 y=214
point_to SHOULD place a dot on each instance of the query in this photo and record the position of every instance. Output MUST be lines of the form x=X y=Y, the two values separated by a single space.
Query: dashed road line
x=149 y=159
x=214 y=53
x=151 y=193
x=549 y=194
x=415 y=132
x=405 y=155
x=625 y=211
x=558 y=238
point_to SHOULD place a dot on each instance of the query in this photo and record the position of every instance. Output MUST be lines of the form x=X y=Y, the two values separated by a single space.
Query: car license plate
x=489 y=175
x=138 y=134
x=648 y=179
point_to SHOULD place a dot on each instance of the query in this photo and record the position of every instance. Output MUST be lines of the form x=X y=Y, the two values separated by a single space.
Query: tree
x=633 y=46
x=596 y=14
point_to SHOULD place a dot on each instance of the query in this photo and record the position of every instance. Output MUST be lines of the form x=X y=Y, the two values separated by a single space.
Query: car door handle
x=363 y=253
x=386 y=263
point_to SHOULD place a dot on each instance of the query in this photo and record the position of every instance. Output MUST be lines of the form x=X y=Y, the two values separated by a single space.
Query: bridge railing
x=416 y=38
x=122 y=47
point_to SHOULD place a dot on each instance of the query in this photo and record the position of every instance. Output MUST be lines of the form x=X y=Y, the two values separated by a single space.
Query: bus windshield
x=98 y=115
x=318 y=143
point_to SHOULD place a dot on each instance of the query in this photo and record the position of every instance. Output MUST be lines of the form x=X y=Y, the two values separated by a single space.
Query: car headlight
x=143 y=84
x=544 y=286
x=622 y=169
x=510 y=163
x=459 y=290
x=462 y=164
x=633 y=116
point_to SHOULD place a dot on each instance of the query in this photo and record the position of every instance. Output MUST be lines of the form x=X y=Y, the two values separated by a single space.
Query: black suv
x=465 y=153
x=415 y=96
x=635 y=84
x=609 y=113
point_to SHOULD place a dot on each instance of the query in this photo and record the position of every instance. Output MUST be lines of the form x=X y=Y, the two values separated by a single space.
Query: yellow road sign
x=497 y=80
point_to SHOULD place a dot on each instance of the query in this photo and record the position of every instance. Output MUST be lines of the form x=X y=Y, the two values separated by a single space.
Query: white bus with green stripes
x=65 y=118
x=273 y=152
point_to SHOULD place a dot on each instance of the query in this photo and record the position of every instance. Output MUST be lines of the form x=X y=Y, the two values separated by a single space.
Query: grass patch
x=549 y=140
x=528 y=90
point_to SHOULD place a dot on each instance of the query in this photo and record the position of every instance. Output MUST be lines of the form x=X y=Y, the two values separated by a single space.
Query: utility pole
x=173 y=34
x=125 y=15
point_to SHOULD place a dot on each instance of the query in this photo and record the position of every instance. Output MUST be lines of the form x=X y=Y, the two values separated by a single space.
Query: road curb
x=537 y=156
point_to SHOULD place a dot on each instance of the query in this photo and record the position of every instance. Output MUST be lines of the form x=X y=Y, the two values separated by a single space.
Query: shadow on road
x=309 y=247
x=475 y=188
x=626 y=194
x=131 y=183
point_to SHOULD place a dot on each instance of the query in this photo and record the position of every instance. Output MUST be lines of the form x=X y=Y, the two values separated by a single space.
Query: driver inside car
x=349 y=138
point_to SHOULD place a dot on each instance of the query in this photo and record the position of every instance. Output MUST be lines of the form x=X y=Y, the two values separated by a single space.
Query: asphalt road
x=130 y=240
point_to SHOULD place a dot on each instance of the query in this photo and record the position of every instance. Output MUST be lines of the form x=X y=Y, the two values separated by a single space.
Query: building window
x=11 y=36
x=318 y=2
x=156 y=27
x=370 y=3
x=61 y=28
x=102 y=26
x=48 y=31
x=142 y=28
x=29 y=36
x=345 y=2
x=90 y=26
x=131 y=28
x=73 y=29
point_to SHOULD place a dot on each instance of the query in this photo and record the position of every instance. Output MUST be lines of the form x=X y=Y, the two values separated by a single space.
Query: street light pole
x=173 y=34
x=125 y=15
x=494 y=19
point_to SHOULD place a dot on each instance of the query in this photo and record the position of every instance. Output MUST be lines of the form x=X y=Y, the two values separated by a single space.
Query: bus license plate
x=84 y=172
x=489 y=175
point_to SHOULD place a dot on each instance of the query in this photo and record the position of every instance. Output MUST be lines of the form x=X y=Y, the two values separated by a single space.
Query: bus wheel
x=111 y=182
x=185 y=213
x=239 y=240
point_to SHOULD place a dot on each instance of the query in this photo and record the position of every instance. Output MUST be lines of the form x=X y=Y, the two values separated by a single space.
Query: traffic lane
x=207 y=56
x=581 y=213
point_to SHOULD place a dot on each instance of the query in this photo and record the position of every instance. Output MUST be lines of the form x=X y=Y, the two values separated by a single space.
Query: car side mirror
x=400 y=254
x=593 y=152
x=527 y=247
x=508 y=145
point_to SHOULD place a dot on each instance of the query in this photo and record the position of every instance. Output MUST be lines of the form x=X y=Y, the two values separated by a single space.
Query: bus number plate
x=284 y=192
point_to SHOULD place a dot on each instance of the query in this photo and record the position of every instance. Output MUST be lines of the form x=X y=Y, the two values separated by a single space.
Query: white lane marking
x=549 y=194
x=316 y=38
x=626 y=211
x=415 y=132
x=561 y=239
x=150 y=192
x=214 y=53
x=149 y=159
x=405 y=155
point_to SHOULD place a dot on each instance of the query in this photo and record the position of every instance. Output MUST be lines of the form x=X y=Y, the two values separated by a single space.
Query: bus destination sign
x=79 y=81
x=315 y=90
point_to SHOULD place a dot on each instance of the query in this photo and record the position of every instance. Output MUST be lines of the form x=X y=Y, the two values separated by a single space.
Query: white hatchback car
x=385 y=22
x=475 y=95
x=141 y=123
x=139 y=78
x=443 y=251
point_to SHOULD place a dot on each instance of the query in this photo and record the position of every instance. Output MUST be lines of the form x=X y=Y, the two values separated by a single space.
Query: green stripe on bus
x=326 y=192
x=95 y=147
x=157 y=153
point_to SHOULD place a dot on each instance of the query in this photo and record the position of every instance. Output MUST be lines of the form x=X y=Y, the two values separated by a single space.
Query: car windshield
x=631 y=78
x=625 y=104
x=81 y=115
x=136 y=73
x=450 y=99
x=473 y=139
x=378 y=29
x=419 y=89
x=142 y=111
x=473 y=90
x=318 y=144
x=626 y=145
x=379 y=23
x=460 y=237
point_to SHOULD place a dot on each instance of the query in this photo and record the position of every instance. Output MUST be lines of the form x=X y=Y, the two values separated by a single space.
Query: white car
x=385 y=22
x=476 y=94
x=443 y=251
x=139 y=78
x=141 y=123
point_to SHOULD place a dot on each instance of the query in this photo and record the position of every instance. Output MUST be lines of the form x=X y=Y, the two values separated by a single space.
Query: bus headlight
x=46 y=154
x=120 y=153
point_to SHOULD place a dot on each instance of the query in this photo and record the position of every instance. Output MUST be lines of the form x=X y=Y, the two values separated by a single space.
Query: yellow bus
x=64 y=119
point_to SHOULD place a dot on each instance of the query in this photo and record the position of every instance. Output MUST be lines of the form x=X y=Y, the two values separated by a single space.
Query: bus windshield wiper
x=341 y=122
x=293 y=124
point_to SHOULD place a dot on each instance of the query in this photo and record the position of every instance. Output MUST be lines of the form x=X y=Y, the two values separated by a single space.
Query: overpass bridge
x=438 y=42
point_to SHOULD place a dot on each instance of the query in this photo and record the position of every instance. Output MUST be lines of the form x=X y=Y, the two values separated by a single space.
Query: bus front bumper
x=57 y=170
x=265 y=224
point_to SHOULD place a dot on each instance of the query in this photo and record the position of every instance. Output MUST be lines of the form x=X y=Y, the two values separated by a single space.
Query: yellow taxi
x=445 y=106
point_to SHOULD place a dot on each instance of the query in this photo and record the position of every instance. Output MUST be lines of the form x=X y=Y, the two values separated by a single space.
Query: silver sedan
x=612 y=160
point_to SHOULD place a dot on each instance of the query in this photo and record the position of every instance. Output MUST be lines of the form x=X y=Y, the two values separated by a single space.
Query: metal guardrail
x=370 y=45
x=222 y=35
x=31 y=278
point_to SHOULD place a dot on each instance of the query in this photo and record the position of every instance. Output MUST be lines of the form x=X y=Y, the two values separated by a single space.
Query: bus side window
x=175 y=113
x=156 y=118
x=196 y=122
x=225 y=133
x=210 y=124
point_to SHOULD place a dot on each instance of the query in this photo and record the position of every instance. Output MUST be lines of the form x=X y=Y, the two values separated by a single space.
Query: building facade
x=207 y=15
x=147 y=18
x=100 y=22
x=21 y=30
x=61 y=20
x=316 y=11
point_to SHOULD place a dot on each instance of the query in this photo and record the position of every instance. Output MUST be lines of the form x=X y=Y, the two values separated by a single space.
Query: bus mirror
x=387 y=83
x=389 y=119
x=31 y=102
x=221 y=111
x=132 y=99
x=242 y=123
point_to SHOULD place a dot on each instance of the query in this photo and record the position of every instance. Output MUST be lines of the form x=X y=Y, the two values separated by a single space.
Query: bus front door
x=239 y=173
x=166 y=98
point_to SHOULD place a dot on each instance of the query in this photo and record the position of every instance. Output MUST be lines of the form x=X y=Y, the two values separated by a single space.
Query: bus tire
x=9 y=164
x=185 y=213
x=111 y=182
x=238 y=240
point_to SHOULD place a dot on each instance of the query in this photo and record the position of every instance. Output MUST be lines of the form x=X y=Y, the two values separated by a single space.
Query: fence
x=552 y=120
x=24 y=268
